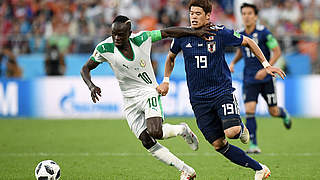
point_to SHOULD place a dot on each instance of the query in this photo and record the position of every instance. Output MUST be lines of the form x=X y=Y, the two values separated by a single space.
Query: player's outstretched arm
x=163 y=88
x=85 y=74
x=175 y=32
x=236 y=59
x=276 y=53
x=258 y=53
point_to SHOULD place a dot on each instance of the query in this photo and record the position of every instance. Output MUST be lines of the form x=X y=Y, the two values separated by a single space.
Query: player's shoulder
x=140 y=37
x=241 y=30
x=261 y=28
x=106 y=46
x=218 y=27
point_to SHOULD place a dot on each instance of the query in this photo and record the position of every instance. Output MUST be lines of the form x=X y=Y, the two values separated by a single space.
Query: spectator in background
x=169 y=15
x=82 y=30
x=310 y=28
x=59 y=34
x=17 y=41
x=37 y=41
x=8 y=65
x=54 y=62
x=269 y=14
x=291 y=12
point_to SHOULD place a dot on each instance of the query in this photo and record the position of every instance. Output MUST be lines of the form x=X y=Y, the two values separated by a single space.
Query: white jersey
x=135 y=76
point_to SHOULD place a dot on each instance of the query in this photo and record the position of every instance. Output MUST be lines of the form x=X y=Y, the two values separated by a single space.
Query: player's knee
x=147 y=140
x=233 y=132
x=156 y=133
x=219 y=143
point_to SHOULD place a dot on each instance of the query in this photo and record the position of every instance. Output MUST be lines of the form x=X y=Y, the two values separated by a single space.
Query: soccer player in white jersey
x=129 y=57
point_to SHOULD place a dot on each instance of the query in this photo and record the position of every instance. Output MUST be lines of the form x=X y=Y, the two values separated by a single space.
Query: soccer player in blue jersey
x=255 y=78
x=210 y=85
x=128 y=55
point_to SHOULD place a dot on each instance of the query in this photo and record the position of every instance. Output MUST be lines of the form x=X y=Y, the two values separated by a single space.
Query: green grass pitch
x=107 y=150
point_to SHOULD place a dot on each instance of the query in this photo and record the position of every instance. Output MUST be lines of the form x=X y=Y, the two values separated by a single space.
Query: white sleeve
x=96 y=56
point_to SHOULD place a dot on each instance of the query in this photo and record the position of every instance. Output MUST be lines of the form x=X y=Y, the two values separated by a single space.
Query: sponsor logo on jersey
x=142 y=63
x=200 y=45
x=211 y=47
x=188 y=45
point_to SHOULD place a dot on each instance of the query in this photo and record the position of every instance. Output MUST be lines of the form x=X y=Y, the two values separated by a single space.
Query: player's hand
x=205 y=32
x=274 y=70
x=163 y=88
x=261 y=74
x=95 y=92
x=231 y=67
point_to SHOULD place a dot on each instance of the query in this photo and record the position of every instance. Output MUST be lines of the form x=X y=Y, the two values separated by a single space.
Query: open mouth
x=194 y=22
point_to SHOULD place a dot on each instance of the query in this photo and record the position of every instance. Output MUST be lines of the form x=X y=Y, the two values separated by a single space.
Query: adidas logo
x=188 y=45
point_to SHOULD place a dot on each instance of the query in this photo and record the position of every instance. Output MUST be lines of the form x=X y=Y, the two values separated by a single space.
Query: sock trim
x=224 y=149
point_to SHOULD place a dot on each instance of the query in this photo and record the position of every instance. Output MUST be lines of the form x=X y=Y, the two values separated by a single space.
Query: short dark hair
x=122 y=19
x=204 y=4
x=254 y=7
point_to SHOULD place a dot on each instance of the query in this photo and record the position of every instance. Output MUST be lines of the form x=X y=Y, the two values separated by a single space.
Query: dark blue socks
x=238 y=156
x=282 y=112
x=252 y=127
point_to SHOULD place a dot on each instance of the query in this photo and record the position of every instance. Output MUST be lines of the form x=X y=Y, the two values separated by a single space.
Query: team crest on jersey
x=211 y=38
x=211 y=47
x=142 y=63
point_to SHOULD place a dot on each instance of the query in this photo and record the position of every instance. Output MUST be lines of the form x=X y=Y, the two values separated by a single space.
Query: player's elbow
x=84 y=69
x=247 y=42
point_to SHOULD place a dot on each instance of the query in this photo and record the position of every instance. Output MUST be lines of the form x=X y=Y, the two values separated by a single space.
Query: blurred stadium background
x=34 y=33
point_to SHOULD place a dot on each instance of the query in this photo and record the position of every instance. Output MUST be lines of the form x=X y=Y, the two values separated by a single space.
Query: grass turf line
x=95 y=149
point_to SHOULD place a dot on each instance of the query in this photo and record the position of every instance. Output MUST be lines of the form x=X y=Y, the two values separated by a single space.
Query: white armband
x=166 y=79
x=265 y=64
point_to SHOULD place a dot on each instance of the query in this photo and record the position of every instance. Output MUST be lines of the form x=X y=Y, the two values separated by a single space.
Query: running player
x=255 y=78
x=129 y=57
x=210 y=85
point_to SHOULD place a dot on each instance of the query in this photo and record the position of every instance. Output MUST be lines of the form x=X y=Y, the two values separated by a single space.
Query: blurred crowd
x=76 y=26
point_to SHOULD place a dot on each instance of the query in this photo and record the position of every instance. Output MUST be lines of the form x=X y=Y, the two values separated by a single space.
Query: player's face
x=248 y=16
x=120 y=34
x=198 y=17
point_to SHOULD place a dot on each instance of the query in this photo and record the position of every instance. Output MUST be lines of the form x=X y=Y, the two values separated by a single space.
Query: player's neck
x=124 y=46
x=250 y=29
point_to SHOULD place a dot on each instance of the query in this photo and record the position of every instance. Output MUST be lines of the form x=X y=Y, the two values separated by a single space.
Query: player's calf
x=154 y=127
x=147 y=140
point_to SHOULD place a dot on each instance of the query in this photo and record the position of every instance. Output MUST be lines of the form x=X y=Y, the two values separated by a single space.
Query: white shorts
x=139 y=109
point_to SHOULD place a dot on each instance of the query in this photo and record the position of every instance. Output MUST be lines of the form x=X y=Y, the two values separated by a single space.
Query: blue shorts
x=267 y=90
x=216 y=115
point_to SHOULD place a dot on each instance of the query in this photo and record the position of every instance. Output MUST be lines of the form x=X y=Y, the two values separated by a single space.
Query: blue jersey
x=208 y=74
x=263 y=37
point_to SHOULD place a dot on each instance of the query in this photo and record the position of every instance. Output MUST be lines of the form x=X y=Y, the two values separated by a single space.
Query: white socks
x=163 y=154
x=170 y=130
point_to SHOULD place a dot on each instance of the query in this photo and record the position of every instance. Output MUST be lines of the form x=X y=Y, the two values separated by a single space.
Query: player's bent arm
x=169 y=64
x=276 y=53
x=236 y=59
x=85 y=72
x=254 y=48
x=163 y=88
